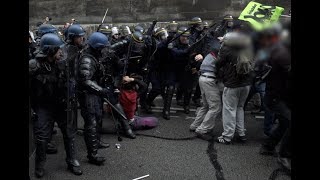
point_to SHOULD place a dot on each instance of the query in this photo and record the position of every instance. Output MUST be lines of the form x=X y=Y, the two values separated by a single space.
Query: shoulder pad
x=34 y=65
x=86 y=60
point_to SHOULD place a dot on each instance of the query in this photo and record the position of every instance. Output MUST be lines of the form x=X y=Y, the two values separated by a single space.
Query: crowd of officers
x=68 y=72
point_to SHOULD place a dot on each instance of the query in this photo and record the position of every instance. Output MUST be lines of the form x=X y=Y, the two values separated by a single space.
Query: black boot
x=186 y=109
x=51 y=149
x=167 y=102
x=74 y=167
x=151 y=96
x=179 y=97
x=143 y=103
x=90 y=137
x=72 y=162
x=186 y=101
x=40 y=159
x=125 y=124
x=101 y=144
x=145 y=107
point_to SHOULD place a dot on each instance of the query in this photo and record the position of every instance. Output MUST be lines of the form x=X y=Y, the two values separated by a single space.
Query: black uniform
x=162 y=77
x=48 y=102
x=184 y=62
x=89 y=76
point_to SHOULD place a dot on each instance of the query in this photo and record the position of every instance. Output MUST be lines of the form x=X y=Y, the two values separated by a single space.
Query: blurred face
x=78 y=41
x=184 y=40
x=59 y=55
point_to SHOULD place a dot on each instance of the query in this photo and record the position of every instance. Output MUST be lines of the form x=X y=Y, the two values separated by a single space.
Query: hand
x=199 y=57
x=194 y=70
x=127 y=79
x=170 y=46
x=220 y=39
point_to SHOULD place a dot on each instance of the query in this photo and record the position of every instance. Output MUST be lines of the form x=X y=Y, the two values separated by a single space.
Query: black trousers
x=91 y=111
x=188 y=82
x=43 y=126
x=283 y=112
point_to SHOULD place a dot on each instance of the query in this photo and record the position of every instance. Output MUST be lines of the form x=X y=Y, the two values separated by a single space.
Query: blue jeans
x=257 y=89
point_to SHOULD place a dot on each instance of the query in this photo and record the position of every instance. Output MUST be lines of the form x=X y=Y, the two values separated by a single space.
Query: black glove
x=154 y=22
x=105 y=92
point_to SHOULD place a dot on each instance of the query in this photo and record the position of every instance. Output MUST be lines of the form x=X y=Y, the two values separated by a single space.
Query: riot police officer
x=90 y=78
x=224 y=27
x=172 y=29
x=188 y=64
x=139 y=28
x=197 y=27
x=42 y=30
x=161 y=74
x=106 y=30
x=48 y=102
x=115 y=35
x=125 y=32
x=74 y=45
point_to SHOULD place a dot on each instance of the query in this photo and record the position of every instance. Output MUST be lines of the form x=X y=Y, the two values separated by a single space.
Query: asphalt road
x=167 y=159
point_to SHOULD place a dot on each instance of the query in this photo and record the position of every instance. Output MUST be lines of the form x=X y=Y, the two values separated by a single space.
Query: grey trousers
x=232 y=112
x=211 y=93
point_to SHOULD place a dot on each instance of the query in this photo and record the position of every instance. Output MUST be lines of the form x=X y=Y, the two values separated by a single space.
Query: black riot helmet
x=173 y=26
x=161 y=34
x=106 y=30
x=50 y=43
x=125 y=30
x=139 y=28
x=137 y=37
x=228 y=21
x=205 y=25
x=183 y=30
x=46 y=28
x=75 y=30
x=196 y=23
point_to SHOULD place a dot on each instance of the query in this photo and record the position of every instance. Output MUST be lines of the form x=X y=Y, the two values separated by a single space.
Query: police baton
x=117 y=110
x=178 y=36
x=103 y=19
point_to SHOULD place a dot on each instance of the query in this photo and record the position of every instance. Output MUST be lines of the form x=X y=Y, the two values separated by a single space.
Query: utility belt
x=208 y=75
